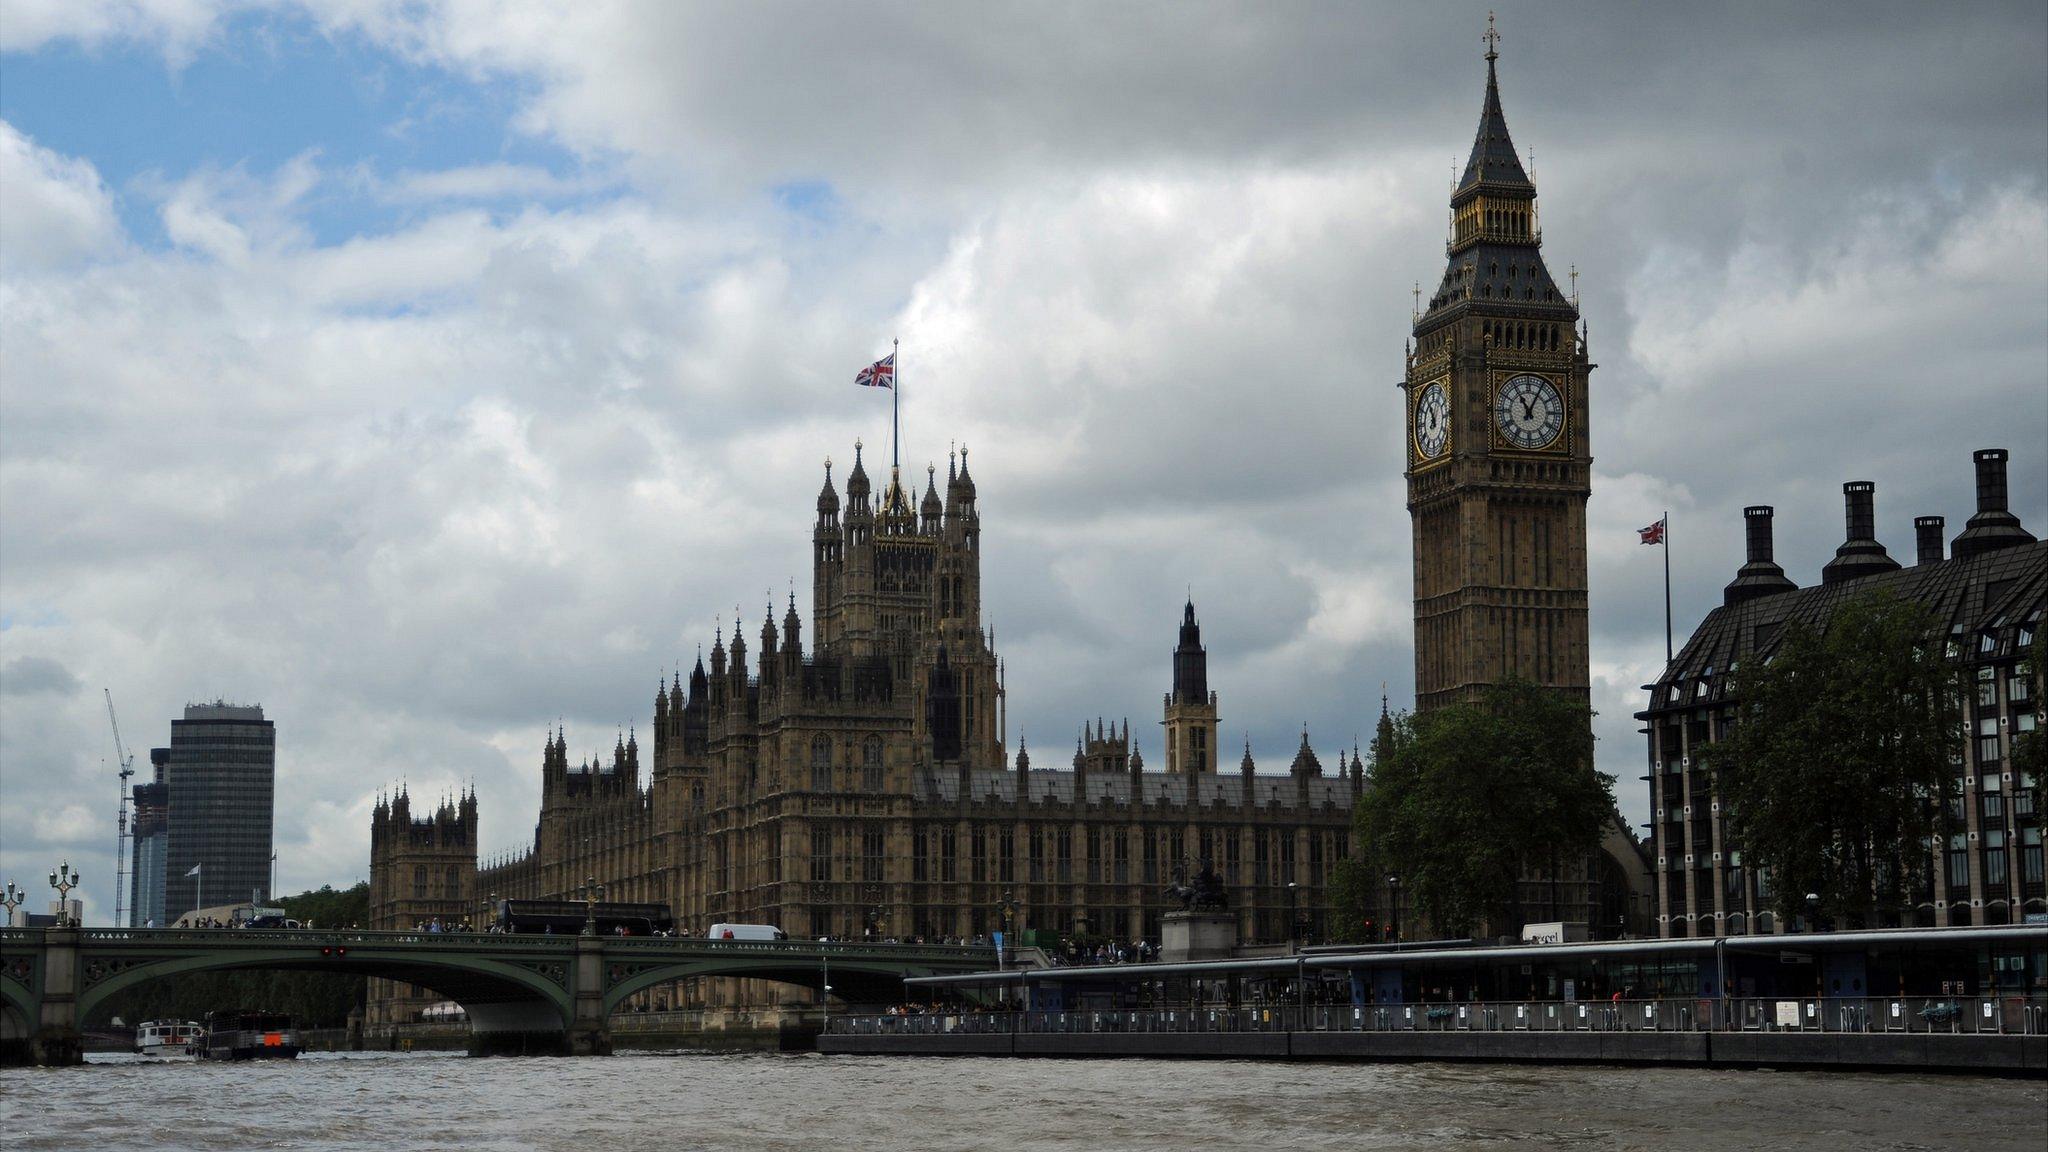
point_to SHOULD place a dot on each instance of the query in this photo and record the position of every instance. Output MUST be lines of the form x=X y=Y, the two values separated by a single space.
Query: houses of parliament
x=861 y=782
x=862 y=786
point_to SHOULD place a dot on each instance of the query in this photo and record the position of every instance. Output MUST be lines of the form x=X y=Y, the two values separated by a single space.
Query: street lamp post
x=871 y=916
x=1009 y=910
x=1394 y=906
x=64 y=879
x=1813 y=911
x=16 y=896
x=592 y=892
x=1293 y=917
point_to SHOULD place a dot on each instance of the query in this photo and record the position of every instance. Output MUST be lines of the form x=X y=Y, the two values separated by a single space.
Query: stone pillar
x=57 y=1041
x=589 y=1031
x=1187 y=936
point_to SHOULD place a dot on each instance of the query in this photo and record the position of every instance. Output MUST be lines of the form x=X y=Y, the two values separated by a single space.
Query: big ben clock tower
x=1499 y=465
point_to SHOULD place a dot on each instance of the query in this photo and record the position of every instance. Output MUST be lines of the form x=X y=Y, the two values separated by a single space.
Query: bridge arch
x=873 y=981
x=499 y=994
x=18 y=1012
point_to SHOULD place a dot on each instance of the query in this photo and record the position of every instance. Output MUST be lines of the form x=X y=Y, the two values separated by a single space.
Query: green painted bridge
x=522 y=993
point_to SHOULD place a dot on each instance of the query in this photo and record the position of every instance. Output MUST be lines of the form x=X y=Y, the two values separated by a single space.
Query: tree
x=1835 y=770
x=1463 y=800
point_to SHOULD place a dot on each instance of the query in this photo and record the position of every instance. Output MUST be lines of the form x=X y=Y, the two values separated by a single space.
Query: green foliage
x=1464 y=799
x=314 y=999
x=1843 y=749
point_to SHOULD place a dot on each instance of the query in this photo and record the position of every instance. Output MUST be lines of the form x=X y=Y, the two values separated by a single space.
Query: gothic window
x=821 y=854
x=871 y=764
x=453 y=890
x=1094 y=865
x=949 y=855
x=977 y=851
x=821 y=764
x=1006 y=855
x=871 y=856
x=1065 y=855
x=419 y=882
x=920 y=856
x=1151 y=856
x=1123 y=856
x=1037 y=854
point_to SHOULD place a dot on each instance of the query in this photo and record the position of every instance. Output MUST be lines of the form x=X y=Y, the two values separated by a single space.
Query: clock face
x=1528 y=411
x=1432 y=421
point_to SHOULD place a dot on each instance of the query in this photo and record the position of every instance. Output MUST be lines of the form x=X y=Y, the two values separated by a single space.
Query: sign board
x=1556 y=932
x=1571 y=991
x=1795 y=957
x=1788 y=1013
x=2035 y=918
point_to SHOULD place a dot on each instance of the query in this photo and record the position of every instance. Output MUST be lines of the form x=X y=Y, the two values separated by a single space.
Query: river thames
x=858 y=1104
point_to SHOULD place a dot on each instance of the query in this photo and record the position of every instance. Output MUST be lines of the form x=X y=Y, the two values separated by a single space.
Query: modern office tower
x=152 y=838
x=220 y=782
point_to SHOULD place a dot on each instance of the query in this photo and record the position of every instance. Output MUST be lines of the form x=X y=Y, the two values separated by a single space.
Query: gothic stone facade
x=863 y=787
x=1990 y=595
x=422 y=869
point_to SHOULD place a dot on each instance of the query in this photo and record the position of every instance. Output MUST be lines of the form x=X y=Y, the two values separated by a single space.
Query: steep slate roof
x=1493 y=161
x=987 y=786
x=1986 y=595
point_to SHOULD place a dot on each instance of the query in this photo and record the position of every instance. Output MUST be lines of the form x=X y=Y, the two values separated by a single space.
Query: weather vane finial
x=1492 y=39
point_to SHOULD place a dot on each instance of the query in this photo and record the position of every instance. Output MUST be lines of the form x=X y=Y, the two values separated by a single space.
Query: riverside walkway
x=1963 y=998
x=1967 y=1035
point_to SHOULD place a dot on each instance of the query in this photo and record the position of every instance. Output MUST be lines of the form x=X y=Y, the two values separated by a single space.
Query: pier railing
x=1944 y=1015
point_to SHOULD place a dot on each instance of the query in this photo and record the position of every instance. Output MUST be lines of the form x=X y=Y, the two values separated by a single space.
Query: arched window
x=821 y=764
x=419 y=882
x=871 y=764
x=454 y=888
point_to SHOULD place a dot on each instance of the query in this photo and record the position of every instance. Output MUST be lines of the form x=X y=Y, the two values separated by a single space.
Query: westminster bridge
x=522 y=993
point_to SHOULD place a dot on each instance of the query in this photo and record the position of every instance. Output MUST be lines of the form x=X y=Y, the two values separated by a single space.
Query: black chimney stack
x=1992 y=527
x=1860 y=554
x=1927 y=541
x=1761 y=576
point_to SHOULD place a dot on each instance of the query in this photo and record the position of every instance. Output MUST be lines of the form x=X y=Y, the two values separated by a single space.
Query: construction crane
x=127 y=763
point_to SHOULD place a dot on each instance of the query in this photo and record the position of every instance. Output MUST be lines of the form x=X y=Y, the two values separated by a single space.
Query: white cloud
x=177 y=27
x=53 y=209
x=426 y=488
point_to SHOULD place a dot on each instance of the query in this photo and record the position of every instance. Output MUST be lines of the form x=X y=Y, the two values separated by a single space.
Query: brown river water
x=863 y=1104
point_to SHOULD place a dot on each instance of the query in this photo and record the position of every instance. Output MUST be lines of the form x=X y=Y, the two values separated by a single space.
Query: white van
x=745 y=932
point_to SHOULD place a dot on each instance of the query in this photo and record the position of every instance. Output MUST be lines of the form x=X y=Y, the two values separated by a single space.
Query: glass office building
x=221 y=781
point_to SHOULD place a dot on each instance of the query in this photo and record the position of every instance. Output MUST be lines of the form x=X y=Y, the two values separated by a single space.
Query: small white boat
x=169 y=1037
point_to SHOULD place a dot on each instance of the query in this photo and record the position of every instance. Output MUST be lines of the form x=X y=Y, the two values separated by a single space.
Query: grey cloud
x=425 y=492
x=35 y=676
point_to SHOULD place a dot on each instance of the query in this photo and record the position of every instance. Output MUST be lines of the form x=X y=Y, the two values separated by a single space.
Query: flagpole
x=895 y=402
x=1667 y=588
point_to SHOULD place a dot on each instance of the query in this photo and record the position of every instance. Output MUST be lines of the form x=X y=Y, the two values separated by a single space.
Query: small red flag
x=1654 y=534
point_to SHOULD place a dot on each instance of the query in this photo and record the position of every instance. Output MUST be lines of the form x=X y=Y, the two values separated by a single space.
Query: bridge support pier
x=590 y=1028
x=57 y=1040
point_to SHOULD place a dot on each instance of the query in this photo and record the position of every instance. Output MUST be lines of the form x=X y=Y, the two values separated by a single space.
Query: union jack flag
x=880 y=374
x=1654 y=534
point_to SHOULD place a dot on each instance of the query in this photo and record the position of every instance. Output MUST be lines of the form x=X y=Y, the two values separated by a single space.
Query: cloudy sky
x=429 y=372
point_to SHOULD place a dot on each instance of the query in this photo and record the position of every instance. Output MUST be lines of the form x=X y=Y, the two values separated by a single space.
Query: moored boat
x=241 y=1034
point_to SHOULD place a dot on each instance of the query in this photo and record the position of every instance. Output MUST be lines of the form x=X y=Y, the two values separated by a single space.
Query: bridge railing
x=947 y=954
x=1962 y=1016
